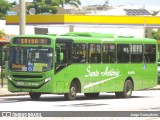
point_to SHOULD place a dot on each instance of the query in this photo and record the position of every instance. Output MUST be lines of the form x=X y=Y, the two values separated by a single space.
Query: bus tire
x=91 y=95
x=127 y=90
x=34 y=96
x=72 y=92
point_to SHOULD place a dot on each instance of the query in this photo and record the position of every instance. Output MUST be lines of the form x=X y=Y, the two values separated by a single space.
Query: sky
x=112 y=2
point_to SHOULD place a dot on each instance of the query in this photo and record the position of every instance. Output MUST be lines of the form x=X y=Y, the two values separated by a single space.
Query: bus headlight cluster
x=48 y=79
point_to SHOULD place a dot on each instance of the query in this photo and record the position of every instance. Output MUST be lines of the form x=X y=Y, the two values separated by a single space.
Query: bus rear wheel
x=34 y=96
x=91 y=95
x=127 y=90
x=72 y=92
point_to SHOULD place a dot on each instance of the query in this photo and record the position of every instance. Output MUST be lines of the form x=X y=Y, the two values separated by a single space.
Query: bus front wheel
x=127 y=90
x=34 y=96
x=72 y=92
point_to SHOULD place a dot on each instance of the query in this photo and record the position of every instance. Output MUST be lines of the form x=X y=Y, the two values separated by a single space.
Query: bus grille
x=27 y=76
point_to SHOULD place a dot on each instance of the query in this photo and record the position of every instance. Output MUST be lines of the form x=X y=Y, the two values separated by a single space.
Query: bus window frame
x=84 y=57
x=145 y=53
x=142 y=59
x=115 y=53
x=124 y=54
x=96 y=57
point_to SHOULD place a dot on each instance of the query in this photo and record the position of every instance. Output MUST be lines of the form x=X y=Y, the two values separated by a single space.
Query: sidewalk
x=4 y=91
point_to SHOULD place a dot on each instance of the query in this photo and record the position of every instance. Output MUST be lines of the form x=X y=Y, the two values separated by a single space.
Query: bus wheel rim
x=73 y=92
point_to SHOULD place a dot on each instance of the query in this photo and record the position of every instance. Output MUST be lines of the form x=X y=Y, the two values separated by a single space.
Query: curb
x=154 y=89
x=4 y=92
x=14 y=94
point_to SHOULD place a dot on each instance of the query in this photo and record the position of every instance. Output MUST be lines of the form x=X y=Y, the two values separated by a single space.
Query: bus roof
x=85 y=37
x=102 y=37
x=89 y=34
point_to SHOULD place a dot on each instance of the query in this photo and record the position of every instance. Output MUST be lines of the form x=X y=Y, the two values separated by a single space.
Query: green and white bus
x=81 y=62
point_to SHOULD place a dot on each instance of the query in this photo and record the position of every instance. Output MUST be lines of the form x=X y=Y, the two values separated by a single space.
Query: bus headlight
x=48 y=79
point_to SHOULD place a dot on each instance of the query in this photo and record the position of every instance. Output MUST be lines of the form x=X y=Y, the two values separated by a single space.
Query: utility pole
x=22 y=17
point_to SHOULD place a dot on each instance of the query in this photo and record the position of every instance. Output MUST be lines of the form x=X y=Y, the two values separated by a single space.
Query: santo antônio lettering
x=106 y=72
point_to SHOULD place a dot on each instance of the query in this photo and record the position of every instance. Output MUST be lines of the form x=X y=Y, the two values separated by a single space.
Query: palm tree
x=77 y=3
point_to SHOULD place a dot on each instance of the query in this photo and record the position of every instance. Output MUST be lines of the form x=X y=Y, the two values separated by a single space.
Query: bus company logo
x=106 y=72
x=112 y=73
x=6 y=114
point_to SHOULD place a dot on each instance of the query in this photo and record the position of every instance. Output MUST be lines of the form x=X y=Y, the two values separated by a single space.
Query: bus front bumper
x=48 y=87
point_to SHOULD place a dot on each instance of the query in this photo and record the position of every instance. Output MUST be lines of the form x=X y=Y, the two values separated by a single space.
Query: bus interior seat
x=95 y=57
x=77 y=58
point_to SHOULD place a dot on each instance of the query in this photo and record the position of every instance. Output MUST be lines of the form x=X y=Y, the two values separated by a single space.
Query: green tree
x=2 y=33
x=156 y=34
x=42 y=6
x=4 y=7
x=14 y=3
x=155 y=13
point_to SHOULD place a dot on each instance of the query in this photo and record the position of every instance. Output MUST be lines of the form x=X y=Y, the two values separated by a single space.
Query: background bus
x=4 y=53
x=81 y=62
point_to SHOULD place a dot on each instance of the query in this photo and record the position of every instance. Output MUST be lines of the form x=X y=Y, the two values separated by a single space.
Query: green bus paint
x=81 y=62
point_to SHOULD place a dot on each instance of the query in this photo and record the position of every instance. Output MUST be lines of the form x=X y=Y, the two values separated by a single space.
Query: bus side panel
x=150 y=76
x=136 y=72
x=92 y=77
x=123 y=73
x=99 y=78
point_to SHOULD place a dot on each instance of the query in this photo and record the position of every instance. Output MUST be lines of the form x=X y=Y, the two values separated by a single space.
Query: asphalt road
x=141 y=100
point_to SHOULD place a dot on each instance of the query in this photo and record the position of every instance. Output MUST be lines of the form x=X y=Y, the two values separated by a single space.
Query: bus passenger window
x=150 y=53
x=94 y=52
x=136 y=53
x=122 y=53
x=79 y=53
x=109 y=53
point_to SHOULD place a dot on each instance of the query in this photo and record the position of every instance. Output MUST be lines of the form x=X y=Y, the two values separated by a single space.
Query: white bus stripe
x=100 y=82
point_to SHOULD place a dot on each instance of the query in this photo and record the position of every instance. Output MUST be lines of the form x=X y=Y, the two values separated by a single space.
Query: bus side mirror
x=61 y=56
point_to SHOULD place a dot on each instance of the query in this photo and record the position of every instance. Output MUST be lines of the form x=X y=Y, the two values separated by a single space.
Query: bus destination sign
x=33 y=41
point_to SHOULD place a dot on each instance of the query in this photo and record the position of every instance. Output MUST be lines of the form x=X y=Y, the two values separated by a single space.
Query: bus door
x=63 y=53
x=63 y=59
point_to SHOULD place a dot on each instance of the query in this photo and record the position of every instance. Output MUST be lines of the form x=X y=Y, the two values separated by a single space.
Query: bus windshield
x=31 y=59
